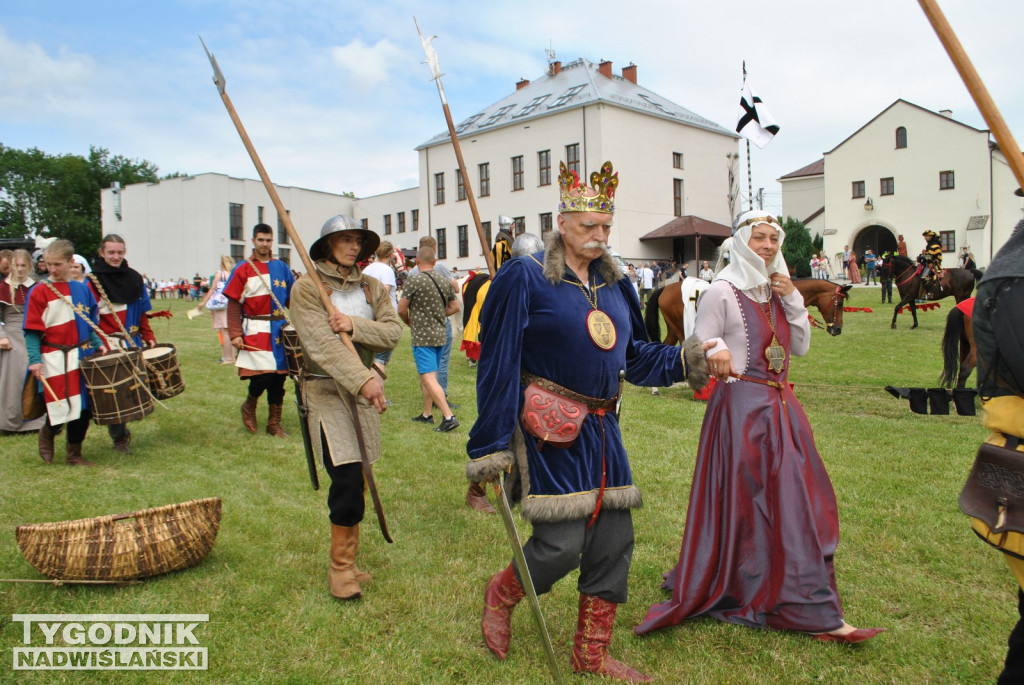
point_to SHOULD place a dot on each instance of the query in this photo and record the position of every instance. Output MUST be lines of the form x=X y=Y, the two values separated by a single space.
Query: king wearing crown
x=577 y=326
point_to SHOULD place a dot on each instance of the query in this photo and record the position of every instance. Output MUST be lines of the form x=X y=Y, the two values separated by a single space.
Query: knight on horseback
x=931 y=259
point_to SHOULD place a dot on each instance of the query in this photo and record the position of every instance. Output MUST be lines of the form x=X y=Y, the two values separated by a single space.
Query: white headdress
x=746 y=270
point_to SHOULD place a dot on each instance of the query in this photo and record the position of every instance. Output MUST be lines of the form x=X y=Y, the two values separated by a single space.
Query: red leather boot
x=500 y=598
x=593 y=636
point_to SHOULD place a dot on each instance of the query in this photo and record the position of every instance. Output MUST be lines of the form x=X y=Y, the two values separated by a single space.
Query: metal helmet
x=527 y=243
x=337 y=224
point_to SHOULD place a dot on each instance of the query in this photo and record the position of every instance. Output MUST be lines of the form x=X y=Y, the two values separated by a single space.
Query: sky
x=335 y=95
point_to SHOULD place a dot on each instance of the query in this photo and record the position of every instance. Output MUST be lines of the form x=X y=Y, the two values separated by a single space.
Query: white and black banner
x=753 y=121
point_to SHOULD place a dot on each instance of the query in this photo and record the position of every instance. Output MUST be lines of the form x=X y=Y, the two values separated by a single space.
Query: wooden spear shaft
x=976 y=87
x=466 y=184
x=436 y=73
x=293 y=235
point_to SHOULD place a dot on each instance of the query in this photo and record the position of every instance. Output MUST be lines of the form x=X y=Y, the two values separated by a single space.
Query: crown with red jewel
x=598 y=197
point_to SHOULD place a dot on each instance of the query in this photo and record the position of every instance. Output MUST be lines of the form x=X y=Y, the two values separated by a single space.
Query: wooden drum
x=292 y=349
x=117 y=386
x=163 y=371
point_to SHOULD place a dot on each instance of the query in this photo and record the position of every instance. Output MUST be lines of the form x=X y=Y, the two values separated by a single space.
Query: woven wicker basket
x=126 y=546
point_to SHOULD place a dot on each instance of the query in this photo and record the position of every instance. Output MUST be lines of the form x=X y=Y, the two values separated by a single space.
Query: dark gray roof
x=577 y=84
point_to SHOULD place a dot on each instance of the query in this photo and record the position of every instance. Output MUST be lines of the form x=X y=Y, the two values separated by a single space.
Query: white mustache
x=593 y=244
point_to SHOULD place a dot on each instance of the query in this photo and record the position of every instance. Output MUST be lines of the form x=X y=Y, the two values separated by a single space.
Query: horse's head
x=832 y=308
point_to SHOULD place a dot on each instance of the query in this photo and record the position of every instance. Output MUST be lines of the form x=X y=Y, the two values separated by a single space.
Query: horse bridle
x=829 y=325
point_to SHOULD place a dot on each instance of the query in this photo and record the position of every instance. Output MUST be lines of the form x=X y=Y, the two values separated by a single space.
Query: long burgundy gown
x=762 y=523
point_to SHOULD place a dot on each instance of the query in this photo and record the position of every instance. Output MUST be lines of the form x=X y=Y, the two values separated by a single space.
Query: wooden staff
x=218 y=79
x=976 y=88
x=282 y=214
x=436 y=72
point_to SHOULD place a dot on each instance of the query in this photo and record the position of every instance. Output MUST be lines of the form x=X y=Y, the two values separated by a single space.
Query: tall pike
x=293 y=235
x=435 y=71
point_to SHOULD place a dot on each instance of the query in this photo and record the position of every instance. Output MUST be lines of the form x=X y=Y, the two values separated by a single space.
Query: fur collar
x=554 y=262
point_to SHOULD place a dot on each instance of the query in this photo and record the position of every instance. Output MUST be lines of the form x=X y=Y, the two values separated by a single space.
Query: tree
x=797 y=247
x=59 y=196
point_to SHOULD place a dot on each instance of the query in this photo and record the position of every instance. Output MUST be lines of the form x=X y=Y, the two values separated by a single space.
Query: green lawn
x=907 y=559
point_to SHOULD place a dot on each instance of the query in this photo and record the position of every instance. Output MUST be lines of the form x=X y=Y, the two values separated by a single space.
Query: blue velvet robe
x=530 y=325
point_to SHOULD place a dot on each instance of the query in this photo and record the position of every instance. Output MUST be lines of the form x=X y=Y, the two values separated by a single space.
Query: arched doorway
x=878 y=239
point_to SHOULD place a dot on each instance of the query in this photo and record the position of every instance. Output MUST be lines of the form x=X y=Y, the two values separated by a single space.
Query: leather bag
x=550 y=417
x=994 y=491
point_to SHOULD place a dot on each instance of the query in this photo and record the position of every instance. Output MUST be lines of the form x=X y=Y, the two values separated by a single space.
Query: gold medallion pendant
x=776 y=355
x=601 y=329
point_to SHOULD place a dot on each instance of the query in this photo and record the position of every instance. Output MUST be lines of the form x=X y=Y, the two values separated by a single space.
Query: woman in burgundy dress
x=762 y=524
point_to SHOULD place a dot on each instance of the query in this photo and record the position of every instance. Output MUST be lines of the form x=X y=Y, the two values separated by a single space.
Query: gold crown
x=598 y=197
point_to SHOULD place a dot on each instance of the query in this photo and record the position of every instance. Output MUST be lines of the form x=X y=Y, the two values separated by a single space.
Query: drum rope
x=106 y=300
x=116 y=349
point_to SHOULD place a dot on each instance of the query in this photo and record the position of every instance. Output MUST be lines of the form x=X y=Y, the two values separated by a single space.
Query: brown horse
x=958 y=354
x=826 y=296
x=956 y=282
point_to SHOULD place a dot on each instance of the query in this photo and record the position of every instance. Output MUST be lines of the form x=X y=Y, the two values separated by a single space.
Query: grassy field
x=907 y=559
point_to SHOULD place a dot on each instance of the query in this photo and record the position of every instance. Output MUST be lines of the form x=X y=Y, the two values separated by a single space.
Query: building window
x=486 y=225
x=567 y=96
x=460 y=186
x=282 y=232
x=235 y=220
x=285 y=255
x=534 y=104
x=365 y=223
x=519 y=225
x=887 y=186
x=544 y=163
x=517 y=173
x=442 y=243
x=858 y=189
x=237 y=252
x=439 y=188
x=401 y=222
x=946 y=181
x=463 y=240
x=387 y=224
x=948 y=240
x=545 y=224
x=498 y=115
x=414 y=214
x=572 y=157
x=677 y=196
x=485 y=179
x=901 y=137
x=259 y=215
x=677 y=160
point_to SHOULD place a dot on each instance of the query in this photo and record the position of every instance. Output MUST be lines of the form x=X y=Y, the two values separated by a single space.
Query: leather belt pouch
x=994 y=491
x=551 y=418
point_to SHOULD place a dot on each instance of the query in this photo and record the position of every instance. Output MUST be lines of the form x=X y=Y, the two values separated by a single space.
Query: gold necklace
x=774 y=352
x=599 y=325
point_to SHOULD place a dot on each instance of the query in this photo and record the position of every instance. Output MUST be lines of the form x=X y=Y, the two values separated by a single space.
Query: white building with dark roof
x=907 y=170
x=673 y=164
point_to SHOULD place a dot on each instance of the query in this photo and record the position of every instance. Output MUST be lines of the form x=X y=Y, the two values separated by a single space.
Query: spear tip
x=218 y=76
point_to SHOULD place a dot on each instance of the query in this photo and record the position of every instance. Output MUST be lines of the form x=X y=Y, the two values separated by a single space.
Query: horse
x=826 y=296
x=959 y=356
x=905 y=275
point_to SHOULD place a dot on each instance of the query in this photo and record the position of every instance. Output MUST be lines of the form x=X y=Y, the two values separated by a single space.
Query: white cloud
x=368 y=66
x=34 y=84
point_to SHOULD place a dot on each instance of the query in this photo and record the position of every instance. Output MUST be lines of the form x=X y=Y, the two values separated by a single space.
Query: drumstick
x=250 y=347
x=47 y=386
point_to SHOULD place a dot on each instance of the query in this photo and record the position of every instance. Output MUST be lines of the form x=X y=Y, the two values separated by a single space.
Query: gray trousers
x=602 y=553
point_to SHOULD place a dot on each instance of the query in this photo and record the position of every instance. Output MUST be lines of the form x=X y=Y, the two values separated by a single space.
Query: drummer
x=56 y=337
x=123 y=303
